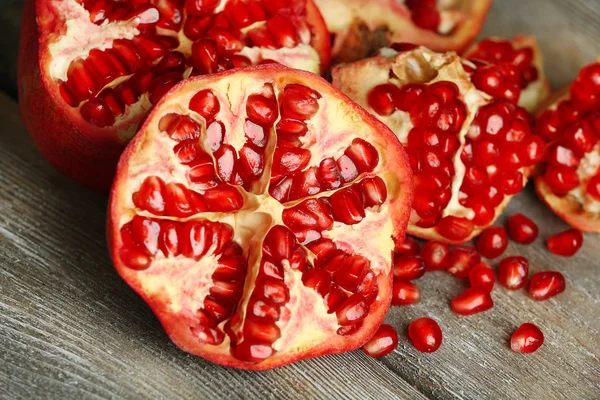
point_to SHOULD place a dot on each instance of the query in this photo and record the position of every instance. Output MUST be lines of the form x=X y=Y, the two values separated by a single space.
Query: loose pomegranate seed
x=410 y=247
x=408 y=268
x=461 y=260
x=493 y=242
x=522 y=229
x=513 y=272
x=566 y=243
x=482 y=276
x=383 y=342
x=472 y=301
x=546 y=284
x=425 y=334
x=434 y=255
x=405 y=293
x=526 y=339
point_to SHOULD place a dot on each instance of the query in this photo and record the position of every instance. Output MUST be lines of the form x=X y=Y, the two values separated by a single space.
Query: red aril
x=245 y=261
x=409 y=247
x=482 y=277
x=526 y=339
x=82 y=101
x=408 y=268
x=513 y=272
x=544 y=285
x=492 y=242
x=565 y=243
x=522 y=229
x=425 y=334
x=472 y=301
x=383 y=342
x=461 y=260
x=405 y=293
x=434 y=255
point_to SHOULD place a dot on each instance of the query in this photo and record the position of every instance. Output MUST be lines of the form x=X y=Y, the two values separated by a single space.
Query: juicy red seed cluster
x=424 y=14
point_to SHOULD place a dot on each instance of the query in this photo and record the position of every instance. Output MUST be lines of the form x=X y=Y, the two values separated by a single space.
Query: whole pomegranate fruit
x=255 y=212
x=569 y=182
x=360 y=27
x=470 y=152
x=89 y=71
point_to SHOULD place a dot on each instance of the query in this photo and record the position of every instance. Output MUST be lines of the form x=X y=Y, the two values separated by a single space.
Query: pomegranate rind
x=399 y=198
x=389 y=21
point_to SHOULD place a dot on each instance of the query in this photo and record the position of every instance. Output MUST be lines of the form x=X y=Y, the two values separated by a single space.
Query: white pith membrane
x=182 y=284
x=79 y=35
x=424 y=66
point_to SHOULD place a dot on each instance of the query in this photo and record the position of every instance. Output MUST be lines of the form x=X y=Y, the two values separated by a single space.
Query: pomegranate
x=89 y=71
x=569 y=182
x=425 y=334
x=239 y=213
x=511 y=69
x=527 y=338
x=482 y=276
x=546 y=284
x=565 y=243
x=513 y=272
x=492 y=242
x=384 y=342
x=359 y=27
x=522 y=229
x=469 y=153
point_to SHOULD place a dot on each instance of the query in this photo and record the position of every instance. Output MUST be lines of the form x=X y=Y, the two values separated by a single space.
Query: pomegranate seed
x=98 y=113
x=382 y=98
x=593 y=187
x=546 y=284
x=426 y=17
x=472 y=301
x=261 y=110
x=513 y=272
x=455 y=228
x=425 y=334
x=434 y=255
x=493 y=242
x=383 y=342
x=522 y=229
x=353 y=310
x=561 y=179
x=408 y=268
x=482 y=276
x=566 y=243
x=410 y=247
x=461 y=260
x=526 y=339
x=405 y=293
x=409 y=95
x=205 y=103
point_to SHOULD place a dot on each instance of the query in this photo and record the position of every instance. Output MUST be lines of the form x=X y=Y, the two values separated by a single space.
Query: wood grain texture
x=70 y=328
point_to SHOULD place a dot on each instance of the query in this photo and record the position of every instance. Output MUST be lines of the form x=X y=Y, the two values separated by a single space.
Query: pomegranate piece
x=383 y=342
x=472 y=301
x=408 y=268
x=203 y=221
x=405 y=293
x=465 y=169
x=482 y=276
x=522 y=229
x=441 y=26
x=526 y=339
x=565 y=243
x=544 y=285
x=434 y=255
x=461 y=260
x=82 y=104
x=513 y=272
x=493 y=242
x=425 y=334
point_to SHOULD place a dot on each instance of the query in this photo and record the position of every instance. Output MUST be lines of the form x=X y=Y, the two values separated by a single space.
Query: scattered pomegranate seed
x=513 y=272
x=408 y=268
x=434 y=255
x=405 y=293
x=546 y=284
x=566 y=243
x=493 y=242
x=527 y=338
x=410 y=247
x=482 y=276
x=425 y=334
x=461 y=260
x=383 y=342
x=472 y=301
x=522 y=229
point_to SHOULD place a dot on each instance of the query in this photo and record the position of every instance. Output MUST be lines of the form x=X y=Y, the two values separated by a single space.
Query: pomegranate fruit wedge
x=89 y=71
x=255 y=213
x=470 y=153
x=360 y=27
x=511 y=69
x=569 y=182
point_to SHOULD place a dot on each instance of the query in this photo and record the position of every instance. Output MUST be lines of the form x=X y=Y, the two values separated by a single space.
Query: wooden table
x=70 y=328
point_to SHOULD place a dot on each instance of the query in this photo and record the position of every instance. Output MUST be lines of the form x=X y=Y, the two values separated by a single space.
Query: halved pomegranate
x=511 y=69
x=255 y=213
x=89 y=71
x=570 y=180
x=470 y=153
x=360 y=27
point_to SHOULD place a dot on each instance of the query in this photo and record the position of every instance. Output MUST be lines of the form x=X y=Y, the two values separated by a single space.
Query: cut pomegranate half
x=569 y=182
x=511 y=69
x=89 y=71
x=360 y=27
x=240 y=210
x=470 y=153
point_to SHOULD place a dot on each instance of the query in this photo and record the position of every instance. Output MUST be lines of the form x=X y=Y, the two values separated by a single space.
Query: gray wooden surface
x=70 y=328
